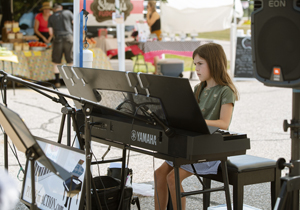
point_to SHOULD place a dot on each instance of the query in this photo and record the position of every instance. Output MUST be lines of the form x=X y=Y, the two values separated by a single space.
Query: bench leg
x=238 y=193
x=206 y=196
x=275 y=187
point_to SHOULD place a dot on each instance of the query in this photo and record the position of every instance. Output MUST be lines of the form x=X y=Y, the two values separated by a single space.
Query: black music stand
x=87 y=81
x=25 y=142
x=87 y=106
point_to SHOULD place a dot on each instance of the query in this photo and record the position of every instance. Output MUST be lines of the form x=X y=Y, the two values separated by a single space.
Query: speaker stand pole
x=295 y=146
x=289 y=194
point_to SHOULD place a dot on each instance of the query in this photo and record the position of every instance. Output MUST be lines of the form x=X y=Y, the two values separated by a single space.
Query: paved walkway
x=259 y=113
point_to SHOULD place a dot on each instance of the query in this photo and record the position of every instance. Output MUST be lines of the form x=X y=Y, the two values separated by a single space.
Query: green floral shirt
x=211 y=100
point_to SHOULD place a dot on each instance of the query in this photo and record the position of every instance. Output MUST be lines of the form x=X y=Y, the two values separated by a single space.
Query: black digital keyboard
x=183 y=144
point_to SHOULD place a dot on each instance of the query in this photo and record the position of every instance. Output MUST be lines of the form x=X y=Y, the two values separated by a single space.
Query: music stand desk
x=25 y=142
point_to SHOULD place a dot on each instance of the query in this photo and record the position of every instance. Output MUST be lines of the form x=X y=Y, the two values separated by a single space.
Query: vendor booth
x=37 y=65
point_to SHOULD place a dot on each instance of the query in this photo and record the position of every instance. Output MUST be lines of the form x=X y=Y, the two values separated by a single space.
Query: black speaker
x=275 y=29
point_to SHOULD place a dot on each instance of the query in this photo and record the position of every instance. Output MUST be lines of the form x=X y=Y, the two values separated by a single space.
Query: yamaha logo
x=133 y=135
x=143 y=137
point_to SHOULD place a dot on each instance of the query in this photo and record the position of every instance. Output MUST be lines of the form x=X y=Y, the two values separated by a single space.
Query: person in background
x=61 y=28
x=216 y=95
x=153 y=19
x=41 y=23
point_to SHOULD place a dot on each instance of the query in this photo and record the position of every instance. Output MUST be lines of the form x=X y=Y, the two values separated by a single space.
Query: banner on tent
x=103 y=10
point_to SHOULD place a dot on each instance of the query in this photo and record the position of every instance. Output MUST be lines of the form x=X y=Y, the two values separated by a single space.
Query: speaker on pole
x=275 y=30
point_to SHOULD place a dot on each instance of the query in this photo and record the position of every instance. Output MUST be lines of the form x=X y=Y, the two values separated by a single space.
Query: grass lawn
x=217 y=35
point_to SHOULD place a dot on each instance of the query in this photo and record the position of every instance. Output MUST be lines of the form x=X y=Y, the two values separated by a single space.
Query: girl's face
x=202 y=69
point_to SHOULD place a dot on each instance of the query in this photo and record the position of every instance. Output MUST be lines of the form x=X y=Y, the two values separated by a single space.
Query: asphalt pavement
x=259 y=113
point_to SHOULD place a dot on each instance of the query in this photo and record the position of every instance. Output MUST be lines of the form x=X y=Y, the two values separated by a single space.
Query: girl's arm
x=225 y=117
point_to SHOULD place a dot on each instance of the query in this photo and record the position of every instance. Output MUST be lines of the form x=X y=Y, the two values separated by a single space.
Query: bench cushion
x=248 y=162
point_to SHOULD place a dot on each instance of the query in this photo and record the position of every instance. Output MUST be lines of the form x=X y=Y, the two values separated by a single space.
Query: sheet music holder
x=181 y=111
x=25 y=142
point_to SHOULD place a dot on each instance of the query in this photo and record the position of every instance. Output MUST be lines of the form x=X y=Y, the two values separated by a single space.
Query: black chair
x=246 y=170
x=206 y=187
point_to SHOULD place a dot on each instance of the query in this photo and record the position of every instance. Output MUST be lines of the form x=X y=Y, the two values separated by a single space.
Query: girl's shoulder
x=199 y=85
x=227 y=92
x=226 y=88
x=155 y=15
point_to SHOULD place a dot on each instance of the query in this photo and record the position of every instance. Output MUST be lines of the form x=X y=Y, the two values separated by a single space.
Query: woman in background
x=41 y=23
x=153 y=19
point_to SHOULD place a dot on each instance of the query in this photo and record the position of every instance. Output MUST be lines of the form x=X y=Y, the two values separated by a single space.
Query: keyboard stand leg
x=123 y=177
x=226 y=183
x=177 y=186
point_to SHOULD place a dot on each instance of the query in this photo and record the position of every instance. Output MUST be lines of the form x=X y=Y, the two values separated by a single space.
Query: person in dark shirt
x=60 y=25
x=153 y=19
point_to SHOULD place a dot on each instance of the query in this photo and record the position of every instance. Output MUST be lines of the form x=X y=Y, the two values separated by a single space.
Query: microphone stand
x=66 y=110
x=5 y=135
x=87 y=108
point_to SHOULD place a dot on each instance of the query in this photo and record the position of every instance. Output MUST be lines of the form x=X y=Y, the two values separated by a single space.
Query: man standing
x=60 y=25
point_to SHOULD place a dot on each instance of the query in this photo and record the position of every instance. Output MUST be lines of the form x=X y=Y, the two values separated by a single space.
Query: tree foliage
x=23 y=6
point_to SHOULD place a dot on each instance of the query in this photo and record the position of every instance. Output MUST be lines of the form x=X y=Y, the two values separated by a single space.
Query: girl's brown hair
x=216 y=59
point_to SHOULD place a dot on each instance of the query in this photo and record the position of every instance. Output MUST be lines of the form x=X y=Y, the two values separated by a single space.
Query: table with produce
x=36 y=63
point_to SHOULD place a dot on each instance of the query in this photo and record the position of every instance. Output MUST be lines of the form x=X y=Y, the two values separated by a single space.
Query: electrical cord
x=100 y=181
x=122 y=194
x=91 y=125
x=15 y=153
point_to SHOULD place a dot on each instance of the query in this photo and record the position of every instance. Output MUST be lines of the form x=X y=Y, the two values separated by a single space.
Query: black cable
x=14 y=151
x=73 y=141
x=2 y=87
x=135 y=104
x=128 y=155
x=16 y=156
x=100 y=181
x=91 y=125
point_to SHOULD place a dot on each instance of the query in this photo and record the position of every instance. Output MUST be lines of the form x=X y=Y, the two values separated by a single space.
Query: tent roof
x=195 y=4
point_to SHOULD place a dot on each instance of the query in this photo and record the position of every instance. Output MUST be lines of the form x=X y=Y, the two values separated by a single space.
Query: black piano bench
x=246 y=170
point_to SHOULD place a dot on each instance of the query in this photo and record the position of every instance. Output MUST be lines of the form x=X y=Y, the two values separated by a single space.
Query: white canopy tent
x=196 y=16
